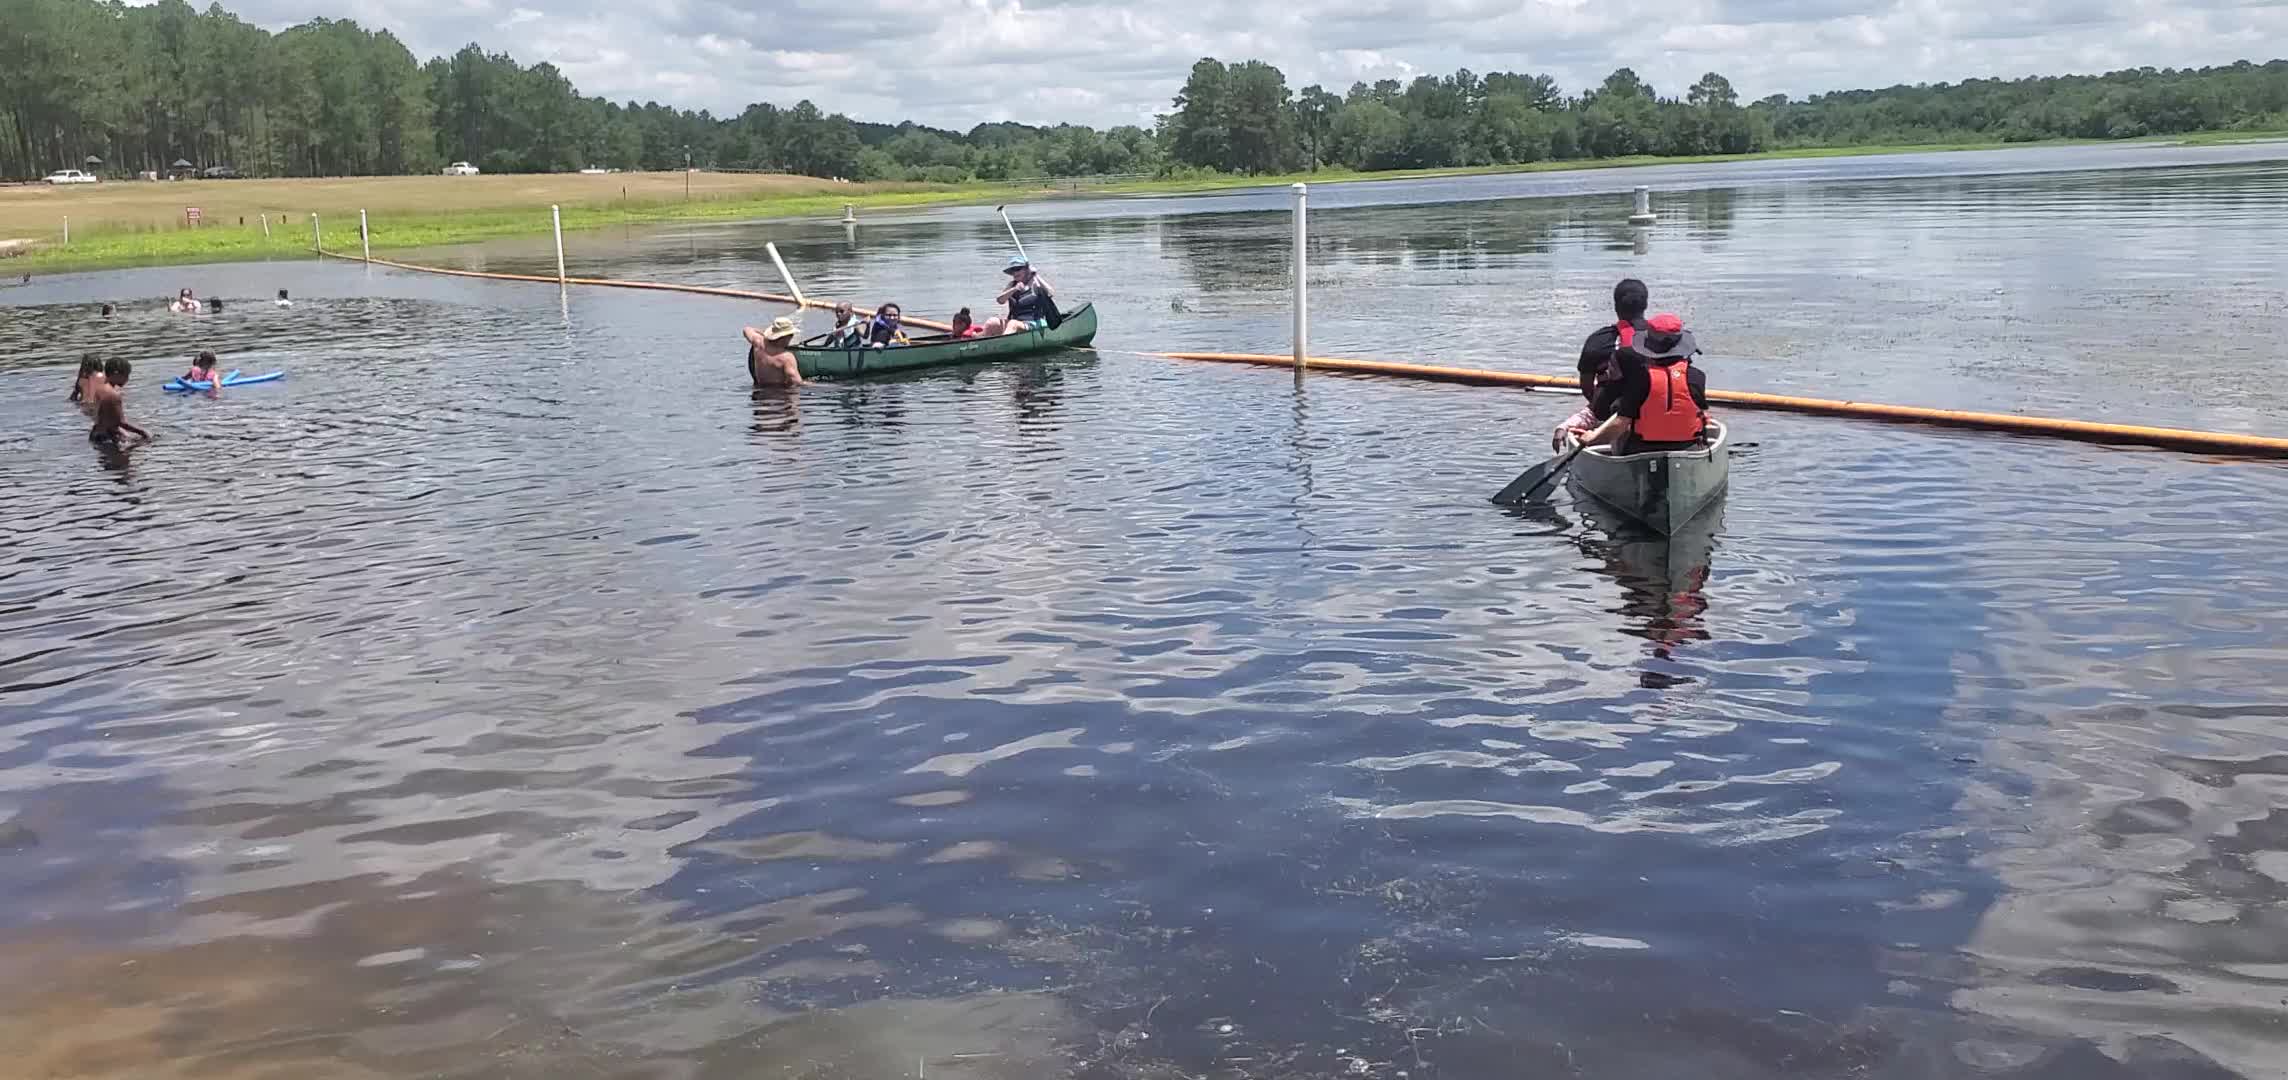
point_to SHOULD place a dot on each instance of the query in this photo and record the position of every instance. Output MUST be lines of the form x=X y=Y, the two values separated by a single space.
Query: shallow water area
x=509 y=692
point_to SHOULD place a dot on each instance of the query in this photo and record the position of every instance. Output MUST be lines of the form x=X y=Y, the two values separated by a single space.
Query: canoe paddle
x=1004 y=212
x=1530 y=482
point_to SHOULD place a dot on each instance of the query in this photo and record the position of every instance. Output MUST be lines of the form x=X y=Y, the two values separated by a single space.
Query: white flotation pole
x=792 y=289
x=317 y=235
x=556 y=221
x=365 y=238
x=1643 y=214
x=1302 y=276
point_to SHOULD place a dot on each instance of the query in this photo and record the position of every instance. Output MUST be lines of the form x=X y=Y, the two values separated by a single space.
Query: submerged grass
x=1186 y=185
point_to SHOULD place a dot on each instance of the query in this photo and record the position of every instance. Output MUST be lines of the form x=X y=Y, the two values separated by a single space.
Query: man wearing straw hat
x=770 y=354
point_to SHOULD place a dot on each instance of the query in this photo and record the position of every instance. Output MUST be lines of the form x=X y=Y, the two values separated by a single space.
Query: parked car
x=70 y=176
x=219 y=172
x=461 y=168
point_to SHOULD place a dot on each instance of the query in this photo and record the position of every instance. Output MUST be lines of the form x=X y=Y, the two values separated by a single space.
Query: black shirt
x=1594 y=354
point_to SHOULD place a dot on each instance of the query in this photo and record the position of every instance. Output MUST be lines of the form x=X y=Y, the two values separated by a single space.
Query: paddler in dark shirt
x=1662 y=400
x=1600 y=364
x=1032 y=304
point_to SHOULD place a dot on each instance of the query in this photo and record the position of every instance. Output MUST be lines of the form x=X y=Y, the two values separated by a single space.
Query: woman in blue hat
x=1032 y=304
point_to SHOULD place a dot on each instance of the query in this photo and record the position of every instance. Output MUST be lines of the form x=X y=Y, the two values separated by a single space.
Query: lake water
x=509 y=692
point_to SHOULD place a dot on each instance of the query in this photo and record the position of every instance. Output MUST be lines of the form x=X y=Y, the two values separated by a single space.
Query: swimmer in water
x=770 y=354
x=107 y=310
x=185 y=303
x=204 y=369
x=109 y=395
x=89 y=368
x=282 y=299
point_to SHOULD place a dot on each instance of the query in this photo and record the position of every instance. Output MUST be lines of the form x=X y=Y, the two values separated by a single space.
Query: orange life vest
x=1669 y=413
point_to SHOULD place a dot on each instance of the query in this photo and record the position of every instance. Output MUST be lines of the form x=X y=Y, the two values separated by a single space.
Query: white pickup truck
x=461 y=168
x=70 y=176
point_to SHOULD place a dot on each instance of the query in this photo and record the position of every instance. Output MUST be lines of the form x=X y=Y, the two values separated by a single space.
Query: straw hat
x=781 y=329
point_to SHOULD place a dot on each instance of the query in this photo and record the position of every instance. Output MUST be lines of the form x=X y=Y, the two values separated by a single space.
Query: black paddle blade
x=1530 y=482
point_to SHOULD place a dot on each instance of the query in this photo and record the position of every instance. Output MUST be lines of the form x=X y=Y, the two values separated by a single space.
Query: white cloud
x=1091 y=61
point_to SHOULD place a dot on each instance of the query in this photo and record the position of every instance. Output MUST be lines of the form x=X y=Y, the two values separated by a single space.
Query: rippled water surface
x=509 y=692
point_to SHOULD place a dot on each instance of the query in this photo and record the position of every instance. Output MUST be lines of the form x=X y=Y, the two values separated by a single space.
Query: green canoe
x=819 y=362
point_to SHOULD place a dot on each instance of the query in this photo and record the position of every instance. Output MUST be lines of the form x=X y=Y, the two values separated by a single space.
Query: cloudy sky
x=955 y=63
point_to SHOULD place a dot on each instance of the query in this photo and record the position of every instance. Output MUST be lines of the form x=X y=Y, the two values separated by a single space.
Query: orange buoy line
x=2172 y=438
x=609 y=283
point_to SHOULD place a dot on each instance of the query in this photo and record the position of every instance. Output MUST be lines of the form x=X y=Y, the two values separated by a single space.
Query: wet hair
x=214 y=304
x=1630 y=298
x=107 y=309
x=281 y=294
x=205 y=360
x=89 y=365
x=183 y=294
x=962 y=320
x=117 y=369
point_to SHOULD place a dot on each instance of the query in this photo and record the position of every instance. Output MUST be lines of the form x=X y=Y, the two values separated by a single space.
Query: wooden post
x=67 y=230
x=1302 y=274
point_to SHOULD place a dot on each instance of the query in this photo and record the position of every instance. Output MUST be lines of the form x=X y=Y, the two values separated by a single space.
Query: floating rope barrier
x=611 y=283
x=2081 y=430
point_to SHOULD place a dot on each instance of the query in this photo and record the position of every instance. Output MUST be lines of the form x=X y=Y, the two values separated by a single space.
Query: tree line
x=1242 y=118
x=144 y=86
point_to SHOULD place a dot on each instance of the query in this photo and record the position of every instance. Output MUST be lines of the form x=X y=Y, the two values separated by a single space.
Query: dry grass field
x=37 y=211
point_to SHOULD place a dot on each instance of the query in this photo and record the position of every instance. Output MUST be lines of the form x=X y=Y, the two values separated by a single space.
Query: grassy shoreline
x=394 y=230
x=401 y=231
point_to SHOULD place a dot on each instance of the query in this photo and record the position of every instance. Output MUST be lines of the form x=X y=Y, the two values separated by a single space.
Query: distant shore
x=118 y=224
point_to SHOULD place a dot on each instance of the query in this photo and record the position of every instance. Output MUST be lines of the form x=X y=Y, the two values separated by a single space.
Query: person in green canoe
x=1032 y=303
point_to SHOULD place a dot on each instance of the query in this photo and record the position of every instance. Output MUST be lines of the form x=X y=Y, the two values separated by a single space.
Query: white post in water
x=1643 y=214
x=1302 y=276
x=266 y=226
x=849 y=214
x=792 y=289
x=364 y=238
x=556 y=219
x=317 y=236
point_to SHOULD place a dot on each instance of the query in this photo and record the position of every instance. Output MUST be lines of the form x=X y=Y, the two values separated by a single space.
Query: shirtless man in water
x=770 y=354
x=111 y=406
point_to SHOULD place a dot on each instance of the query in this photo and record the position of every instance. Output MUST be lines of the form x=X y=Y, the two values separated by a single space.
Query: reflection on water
x=512 y=692
x=1665 y=577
